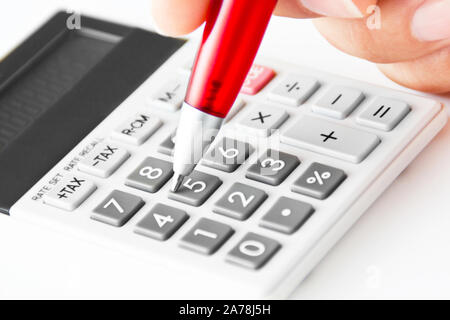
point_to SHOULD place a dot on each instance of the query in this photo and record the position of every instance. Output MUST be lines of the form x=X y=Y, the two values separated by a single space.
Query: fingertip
x=325 y=8
x=178 y=17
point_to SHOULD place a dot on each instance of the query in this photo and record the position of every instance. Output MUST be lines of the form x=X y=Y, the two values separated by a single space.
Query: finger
x=397 y=31
x=329 y=8
x=176 y=17
x=429 y=73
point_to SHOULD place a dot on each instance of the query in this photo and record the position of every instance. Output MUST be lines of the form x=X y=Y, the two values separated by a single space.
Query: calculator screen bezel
x=33 y=152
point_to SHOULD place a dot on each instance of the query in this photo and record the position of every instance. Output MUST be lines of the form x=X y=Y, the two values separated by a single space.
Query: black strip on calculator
x=59 y=85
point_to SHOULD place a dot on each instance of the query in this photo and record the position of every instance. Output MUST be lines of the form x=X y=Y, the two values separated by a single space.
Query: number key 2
x=240 y=201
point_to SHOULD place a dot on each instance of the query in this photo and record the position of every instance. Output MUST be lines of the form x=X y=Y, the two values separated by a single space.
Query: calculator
x=88 y=121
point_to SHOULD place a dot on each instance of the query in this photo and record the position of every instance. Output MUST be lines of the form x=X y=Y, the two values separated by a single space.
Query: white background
x=399 y=249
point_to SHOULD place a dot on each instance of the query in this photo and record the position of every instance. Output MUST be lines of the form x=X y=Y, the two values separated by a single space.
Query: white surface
x=397 y=249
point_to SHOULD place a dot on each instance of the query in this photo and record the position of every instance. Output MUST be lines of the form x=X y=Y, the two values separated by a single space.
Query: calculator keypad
x=319 y=181
x=103 y=160
x=253 y=251
x=262 y=120
x=117 y=208
x=150 y=175
x=294 y=90
x=240 y=201
x=69 y=193
x=227 y=155
x=137 y=129
x=331 y=139
x=273 y=167
x=383 y=114
x=207 y=236
x=161 y=222
x=287 y=215
x=196 y=188
x=338 y=102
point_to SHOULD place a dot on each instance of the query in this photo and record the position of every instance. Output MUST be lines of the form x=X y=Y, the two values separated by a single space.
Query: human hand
x=410 y=43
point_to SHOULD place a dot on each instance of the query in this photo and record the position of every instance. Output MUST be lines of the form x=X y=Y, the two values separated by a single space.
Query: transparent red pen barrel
x=233 y=32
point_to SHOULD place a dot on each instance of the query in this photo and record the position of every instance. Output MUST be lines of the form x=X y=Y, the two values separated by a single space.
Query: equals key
x=383 y=114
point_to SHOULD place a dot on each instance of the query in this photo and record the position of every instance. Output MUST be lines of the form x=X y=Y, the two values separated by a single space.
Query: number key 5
x=196 y=188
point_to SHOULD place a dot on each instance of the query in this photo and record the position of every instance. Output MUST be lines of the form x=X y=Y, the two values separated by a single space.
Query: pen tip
x=178 y=179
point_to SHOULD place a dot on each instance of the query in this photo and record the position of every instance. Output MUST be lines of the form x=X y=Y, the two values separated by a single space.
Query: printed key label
x=136 y=124
x=70 y=188
x=105 y=154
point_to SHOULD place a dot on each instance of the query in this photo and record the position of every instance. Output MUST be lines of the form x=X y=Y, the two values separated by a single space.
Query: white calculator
x=301 y=157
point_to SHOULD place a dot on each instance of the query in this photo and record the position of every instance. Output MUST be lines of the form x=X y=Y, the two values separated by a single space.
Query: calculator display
x=44 y=83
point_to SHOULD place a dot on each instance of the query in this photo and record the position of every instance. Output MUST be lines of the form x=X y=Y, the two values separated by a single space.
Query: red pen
x=233 y=33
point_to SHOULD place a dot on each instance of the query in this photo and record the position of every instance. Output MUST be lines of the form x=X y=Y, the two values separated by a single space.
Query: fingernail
x=431 y=21
x=333 y=8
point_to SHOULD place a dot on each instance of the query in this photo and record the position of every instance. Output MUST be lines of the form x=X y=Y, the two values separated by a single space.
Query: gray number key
x=338 y=102
x=319 y=181
x=161 y=222
x=196 y=188
x=207 y=236
x=253 y=251
x=240 y=201
x=150 y=175
x=227 y=155
x=383 y=114
x=287 y=215
x=273 y=167
x=294 y=89
x=168 y=145
x=117 y=208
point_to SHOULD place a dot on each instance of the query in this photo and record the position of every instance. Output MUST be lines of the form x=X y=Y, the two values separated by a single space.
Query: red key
x=257 y=79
